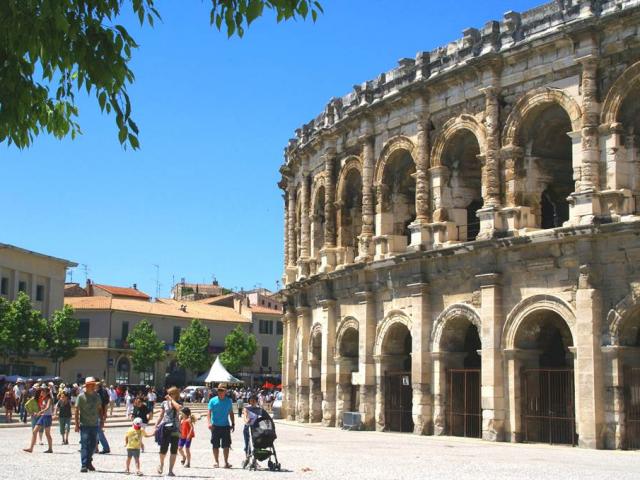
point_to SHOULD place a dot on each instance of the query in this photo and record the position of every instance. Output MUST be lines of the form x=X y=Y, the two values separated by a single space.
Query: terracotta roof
x=122 y=291
x=261 y=309
x=163 y=307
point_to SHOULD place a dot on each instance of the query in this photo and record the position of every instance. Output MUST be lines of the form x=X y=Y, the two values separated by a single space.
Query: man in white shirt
x=17 y=391
x=112 y=398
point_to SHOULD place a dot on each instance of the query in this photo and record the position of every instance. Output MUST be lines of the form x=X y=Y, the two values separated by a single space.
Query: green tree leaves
x=51 y=49
x=239 y=349
x=61 y=335
x=192 y=350
x=22 y=328
x=147 y=348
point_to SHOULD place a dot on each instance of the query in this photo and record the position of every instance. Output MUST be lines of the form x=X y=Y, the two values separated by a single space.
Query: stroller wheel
x=271 y=465
x=277 y=467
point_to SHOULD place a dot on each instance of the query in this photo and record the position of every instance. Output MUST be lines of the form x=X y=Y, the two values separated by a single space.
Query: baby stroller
x=262 y=434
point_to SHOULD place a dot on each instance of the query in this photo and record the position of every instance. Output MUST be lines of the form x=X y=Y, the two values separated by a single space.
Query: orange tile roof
x=122 y=291
x=163 y=307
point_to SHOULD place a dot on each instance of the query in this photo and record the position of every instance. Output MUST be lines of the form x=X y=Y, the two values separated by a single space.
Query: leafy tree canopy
x=147 y=348
x=192 y=349
x=239 y=349
x=61 y=335
x=52 y=49
x=21 y=328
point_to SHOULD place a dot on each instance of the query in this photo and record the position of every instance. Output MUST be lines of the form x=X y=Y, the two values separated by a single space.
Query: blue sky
x=200 y=197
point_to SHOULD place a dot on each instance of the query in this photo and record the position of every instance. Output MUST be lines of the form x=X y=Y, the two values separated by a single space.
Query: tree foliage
x=239 y=349
x=147 y=348
x=280 y=352
x=61 y=335
x=53 y=49
x=192 y=350
x=21 y=328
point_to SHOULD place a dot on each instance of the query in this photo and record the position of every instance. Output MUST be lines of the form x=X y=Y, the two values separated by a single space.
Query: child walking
x=133 y=443
x=187 y=432
x=63 y=408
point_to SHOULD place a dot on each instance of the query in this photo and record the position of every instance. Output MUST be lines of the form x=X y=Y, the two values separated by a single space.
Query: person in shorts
x=222 y=423
x=63 y=409
x=133 y=443
x=187 y=433
x=169 y=423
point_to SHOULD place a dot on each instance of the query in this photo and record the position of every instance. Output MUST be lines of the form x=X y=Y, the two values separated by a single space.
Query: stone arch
x=346 y=324
x=316 y=329
x=318 y=184
x=618 y=92
x=318 y=220
x=351 y=163
x=452 y=312
x=450 y=129
x=519 y=314
x=618 y=315
x=394 y=317
x=532 y=101
x=391 y=147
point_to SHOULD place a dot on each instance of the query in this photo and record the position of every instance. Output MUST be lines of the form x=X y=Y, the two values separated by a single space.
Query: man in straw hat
x=222 y=423
x=88 y=419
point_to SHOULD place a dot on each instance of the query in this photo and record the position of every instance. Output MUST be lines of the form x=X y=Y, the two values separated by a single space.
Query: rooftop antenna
x=85 y=269
x=157 y=280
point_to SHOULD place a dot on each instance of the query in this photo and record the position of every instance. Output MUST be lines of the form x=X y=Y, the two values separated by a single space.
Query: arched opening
x=459 y=349
x=317 y=225
x=123 y=370
x=548 y=170
x=629 y=118
x=398 y=402
x=398 y=206
x=462 y=196
x=315 y=385
x=629 y=339
x=348 y=394
x=350 y=214
x=548 y=410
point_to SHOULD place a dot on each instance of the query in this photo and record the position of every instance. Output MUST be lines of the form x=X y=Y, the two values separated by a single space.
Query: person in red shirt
x=187 y=432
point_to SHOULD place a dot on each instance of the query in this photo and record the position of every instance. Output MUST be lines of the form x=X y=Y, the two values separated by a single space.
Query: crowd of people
x=87 y=407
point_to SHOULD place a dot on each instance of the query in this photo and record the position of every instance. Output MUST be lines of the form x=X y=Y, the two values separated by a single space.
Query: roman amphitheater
x=462 y=238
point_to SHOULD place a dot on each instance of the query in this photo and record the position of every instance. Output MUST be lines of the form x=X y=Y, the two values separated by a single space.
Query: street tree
x=239 y=349
x=53 y=50
x=61 y=336
x=22 y=328
x=147 y=348
x=192 y=350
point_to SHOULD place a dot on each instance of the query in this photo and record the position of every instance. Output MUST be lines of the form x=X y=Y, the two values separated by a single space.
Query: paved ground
x=312 y=452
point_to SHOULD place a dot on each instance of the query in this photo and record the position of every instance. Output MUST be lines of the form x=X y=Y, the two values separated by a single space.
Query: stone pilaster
x=615 y=407
x=420 y=359
x=365 y=243
x=328 y=366
x=420 y=237
x=286 y=234
x=492 y=391
x=328 y=253
x=439 y=393
x=588 y=368
x=291 y=270
x=302 y=403
x=516 y=218
x=288 y=367
x=305 y=221
x=366 y=368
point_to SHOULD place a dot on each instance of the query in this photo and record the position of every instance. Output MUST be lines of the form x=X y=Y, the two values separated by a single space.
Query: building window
x=265 y=356
x=279 y=328
x=176 y=334
x=146 y=377
x=122 y=371
x=125 y=331
x=266 y=327
x=4 y=286
x=40 y=293
x=83 y=332
x=22 y=286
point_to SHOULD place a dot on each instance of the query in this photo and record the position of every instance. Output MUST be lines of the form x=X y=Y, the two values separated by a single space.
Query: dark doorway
x=464 y=416
x=632 y=407
x=398 y=402
x=473 y=222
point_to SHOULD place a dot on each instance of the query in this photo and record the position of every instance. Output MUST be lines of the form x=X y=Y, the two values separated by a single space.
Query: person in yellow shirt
x=133 y=443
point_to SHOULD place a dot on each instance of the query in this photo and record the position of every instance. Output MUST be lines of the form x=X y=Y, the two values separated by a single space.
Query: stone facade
x=461 y=237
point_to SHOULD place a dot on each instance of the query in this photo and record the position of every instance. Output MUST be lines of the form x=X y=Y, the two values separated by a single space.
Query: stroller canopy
x=219 y=374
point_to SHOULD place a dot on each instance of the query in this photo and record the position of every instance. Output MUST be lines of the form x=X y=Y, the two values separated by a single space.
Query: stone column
x=515 y=216
x=615 y=418
x=291 y=271
x=584 y=205
x=305 y=243
x=328 y=253
x=343 y=387
x=365 y=244
x=286 y=237
x=328 y=366
x=384 y=221
x=589 y=386
x=288 y=367
x=439 y=393
x=302 y=404
x=421 y=359
x=492 y=391
x=366 y=367
x=420 y=237
x=489 y=214
x=380 y=421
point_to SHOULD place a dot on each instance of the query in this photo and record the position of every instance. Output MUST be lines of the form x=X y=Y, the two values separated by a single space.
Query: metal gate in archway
x=548 y=406
x=632 y=408
x=464 y=410
x=398 y=402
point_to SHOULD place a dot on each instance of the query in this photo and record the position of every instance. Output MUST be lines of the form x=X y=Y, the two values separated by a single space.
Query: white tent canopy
x=219 y=374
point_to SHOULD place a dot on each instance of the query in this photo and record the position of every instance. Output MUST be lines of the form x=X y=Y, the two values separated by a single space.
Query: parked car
x=277 y=406
x=188 y=394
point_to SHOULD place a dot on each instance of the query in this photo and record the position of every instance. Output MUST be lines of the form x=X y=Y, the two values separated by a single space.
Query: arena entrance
x=548 y=398
x=398 y=395
x=632 y=408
